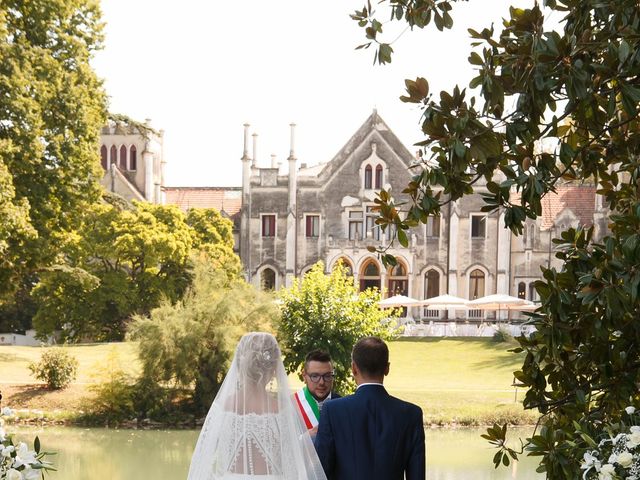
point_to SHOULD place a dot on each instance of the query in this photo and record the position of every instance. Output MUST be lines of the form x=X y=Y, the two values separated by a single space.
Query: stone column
x=291 y=243
x=245 y=212
x=453 y=259
x=504 y=250
x=147 y=160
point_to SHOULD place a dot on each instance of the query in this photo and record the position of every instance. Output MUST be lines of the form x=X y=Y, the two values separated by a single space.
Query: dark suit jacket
x=371 y=436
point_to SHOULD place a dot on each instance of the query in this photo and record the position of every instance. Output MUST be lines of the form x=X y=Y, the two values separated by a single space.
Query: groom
x=371 y=435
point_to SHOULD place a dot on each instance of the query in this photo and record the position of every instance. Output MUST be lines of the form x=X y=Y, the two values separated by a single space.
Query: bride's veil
x=253 y=427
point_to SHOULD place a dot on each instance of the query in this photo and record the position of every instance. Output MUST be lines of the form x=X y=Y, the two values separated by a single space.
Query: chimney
x=245 y=153
x=255 y=150
x=292 y=154
x=273 y=161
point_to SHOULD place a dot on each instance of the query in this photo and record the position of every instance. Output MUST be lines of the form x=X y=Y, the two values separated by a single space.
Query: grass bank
x=456 y=381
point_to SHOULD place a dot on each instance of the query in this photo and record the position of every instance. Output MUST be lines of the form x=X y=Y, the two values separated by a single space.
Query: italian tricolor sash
x=308 y=407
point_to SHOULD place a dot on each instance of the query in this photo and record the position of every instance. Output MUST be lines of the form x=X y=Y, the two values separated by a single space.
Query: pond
x=103 y=454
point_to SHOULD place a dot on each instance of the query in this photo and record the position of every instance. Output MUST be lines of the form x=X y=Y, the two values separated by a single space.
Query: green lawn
x=455 y=380
x=14 y=360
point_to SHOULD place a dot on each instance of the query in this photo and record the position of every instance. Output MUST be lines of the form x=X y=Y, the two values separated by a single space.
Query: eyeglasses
x=315 y=377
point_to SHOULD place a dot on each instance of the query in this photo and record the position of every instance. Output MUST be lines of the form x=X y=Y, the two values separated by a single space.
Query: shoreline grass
x=456 y=381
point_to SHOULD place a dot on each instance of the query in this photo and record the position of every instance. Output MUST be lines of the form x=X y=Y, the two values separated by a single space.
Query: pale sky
x=200 y=69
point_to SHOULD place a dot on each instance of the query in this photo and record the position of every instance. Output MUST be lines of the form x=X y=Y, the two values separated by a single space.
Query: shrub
x=502 y=335
x=57 y=368
x=114 y=392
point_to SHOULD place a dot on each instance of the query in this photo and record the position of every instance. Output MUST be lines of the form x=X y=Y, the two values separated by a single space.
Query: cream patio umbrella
x=445 y=302
x=399 y=301
x=501 y=302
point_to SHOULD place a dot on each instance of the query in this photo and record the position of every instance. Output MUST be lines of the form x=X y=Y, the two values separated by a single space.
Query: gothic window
x=478 y=226
x=346 y=264
x=522 y=290
x=433 y=226
x=103 y=157
x=268 y=279
x=312 y=226
x=371 y=228
x=355 y=225
x=367 y=177
x=398 y=282
x=113 y=155
x=391 y=231
x=370 y=277
x=431 y=289
x=532 y=291
x=476 y=290
x=123 y=157
x=268 y=225
x=379 y=176
x=476 y=284
x=133 y=159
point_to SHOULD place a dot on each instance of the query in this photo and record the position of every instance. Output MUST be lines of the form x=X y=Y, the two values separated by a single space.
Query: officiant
x=318 y=375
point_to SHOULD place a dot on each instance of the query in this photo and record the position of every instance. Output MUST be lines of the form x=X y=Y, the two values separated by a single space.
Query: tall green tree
x=191 y=343
x=213 y=234
x=120 y=262
x=575 y=87
x=52 y=106
x=326 y=311
x=124 y=260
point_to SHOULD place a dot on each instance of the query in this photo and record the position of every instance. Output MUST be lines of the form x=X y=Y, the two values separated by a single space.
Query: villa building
x=286 y=220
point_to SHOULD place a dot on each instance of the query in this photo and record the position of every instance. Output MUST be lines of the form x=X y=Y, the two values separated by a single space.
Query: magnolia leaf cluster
x=550 y=103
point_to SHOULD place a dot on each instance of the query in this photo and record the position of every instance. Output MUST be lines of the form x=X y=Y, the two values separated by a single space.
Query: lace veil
x=253 y=428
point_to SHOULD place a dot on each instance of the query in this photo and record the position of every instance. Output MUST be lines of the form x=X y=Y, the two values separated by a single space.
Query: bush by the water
x=114 y=392
x=502 y=335
x=57 y=368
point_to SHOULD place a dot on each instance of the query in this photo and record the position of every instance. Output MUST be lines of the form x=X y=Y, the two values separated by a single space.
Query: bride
x=253 y=430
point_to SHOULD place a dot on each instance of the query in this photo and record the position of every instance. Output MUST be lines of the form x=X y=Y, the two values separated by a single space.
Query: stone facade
x=133 y=162
x=289 y=221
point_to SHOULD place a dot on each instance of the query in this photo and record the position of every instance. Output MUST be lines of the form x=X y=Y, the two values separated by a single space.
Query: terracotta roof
x=224 y=199
x=580 y=199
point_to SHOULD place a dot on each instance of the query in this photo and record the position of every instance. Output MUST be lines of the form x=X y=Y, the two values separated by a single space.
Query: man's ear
x=386 y=370
x=354 y=369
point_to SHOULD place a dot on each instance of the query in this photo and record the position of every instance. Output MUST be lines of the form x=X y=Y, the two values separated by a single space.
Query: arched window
x=431 y=289
x=103 y=157
x=123 y=157
x=268 y=279
x=370 y=277
x=379 y=176
x=133 y=159
x=522 y=290
x=532 y=291
x=367 y=177
x=113 y=155
x=476 y=290
x=398 y=282
x=346 y=264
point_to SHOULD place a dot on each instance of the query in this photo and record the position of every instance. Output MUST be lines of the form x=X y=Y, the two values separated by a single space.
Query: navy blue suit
x=371 y=436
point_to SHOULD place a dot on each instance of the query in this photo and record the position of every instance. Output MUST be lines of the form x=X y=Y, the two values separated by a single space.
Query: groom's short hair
x=371 y=355
x=316 y=356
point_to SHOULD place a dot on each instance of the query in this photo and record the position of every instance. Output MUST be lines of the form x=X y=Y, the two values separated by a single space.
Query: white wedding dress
x=253 y=430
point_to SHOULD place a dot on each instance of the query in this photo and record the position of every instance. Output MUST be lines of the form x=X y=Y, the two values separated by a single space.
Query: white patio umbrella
x=399 y=301
x=445 y=302
x=500 y=302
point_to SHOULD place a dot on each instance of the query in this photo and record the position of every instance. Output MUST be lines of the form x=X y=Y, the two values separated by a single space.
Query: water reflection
x=103 y=454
